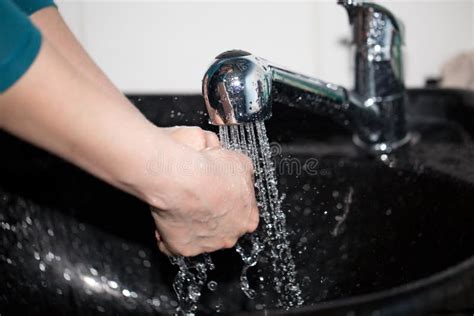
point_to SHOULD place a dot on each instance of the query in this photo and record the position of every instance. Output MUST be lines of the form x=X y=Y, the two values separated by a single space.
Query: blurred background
x=166 y=46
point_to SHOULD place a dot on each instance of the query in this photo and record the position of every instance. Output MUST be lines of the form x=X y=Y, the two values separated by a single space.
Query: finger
x=158 y=236
x=170 y=129
x=254 y=214
x=212 y=140
x=248 y=164
x=164 y=249
x=229 y=243
x=195 y=138
x=191 y=136
x=254 y=220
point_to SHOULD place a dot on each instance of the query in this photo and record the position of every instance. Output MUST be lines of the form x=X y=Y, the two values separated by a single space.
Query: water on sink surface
x=394 y=225
x=52 y=264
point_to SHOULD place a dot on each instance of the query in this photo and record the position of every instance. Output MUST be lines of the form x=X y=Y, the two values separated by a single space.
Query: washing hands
x=215 y=200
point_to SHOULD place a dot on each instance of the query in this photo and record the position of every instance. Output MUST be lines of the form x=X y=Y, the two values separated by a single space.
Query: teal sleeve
x=31 y=6
x=20 y=42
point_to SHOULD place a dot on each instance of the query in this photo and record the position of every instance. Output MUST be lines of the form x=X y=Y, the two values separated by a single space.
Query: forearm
x=53 y=27
x=203 y=200
x=58 y=109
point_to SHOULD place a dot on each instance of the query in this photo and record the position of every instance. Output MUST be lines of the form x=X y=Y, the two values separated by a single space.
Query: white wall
x=166 y=46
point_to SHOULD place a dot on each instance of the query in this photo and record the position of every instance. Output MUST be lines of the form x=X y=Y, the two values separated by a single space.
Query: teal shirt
x=20 y=40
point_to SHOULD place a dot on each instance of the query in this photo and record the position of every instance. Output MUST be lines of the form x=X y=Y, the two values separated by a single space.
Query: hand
x=214 y=203
x=193 y=137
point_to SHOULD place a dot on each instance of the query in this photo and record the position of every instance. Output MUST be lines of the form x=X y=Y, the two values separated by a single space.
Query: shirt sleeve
x=20 y=42
x=31 y=6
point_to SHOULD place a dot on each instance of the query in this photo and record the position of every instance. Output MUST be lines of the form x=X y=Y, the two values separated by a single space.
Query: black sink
x=388 y=235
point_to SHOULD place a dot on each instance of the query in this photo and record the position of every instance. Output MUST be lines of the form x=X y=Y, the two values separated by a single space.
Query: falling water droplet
x=212 y=285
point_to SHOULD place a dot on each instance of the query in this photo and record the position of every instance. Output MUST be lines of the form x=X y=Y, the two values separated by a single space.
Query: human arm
x=53 y=27
x=203 y=200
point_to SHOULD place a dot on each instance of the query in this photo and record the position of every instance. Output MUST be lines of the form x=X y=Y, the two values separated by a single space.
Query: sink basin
x=390 y=235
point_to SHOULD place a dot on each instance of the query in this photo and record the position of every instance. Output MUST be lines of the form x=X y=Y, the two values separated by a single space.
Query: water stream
x=270 y=240
x=189 y=281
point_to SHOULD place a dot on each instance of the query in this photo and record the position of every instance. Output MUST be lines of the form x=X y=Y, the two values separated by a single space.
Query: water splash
x=189 y=281
x=251 y=139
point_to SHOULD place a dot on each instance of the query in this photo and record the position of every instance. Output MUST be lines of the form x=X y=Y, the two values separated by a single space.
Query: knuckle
x=244 y=163
x=213 y=136
x=163 y=248
x=194 y=131
x=248 y=164
x=253 y=224
x=199 y=131
x=156 y=203
x=213 y=139
x=188 y=252
x=229 y=243
x=201 y=143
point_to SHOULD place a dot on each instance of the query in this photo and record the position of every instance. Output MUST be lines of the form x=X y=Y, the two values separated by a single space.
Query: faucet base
x=382 y=148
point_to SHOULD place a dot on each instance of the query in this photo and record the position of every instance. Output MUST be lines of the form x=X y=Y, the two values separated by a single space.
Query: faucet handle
x=350 y=6
x=373 y=22
x=378 y=37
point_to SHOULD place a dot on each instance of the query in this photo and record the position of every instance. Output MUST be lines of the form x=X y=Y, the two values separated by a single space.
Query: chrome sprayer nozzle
x=237 y=89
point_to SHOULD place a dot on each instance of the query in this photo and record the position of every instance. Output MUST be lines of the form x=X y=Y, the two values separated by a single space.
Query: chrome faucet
x=240 y=87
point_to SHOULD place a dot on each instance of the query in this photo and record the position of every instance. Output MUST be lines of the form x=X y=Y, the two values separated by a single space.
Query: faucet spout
x=325 y=99
x=239 y=87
